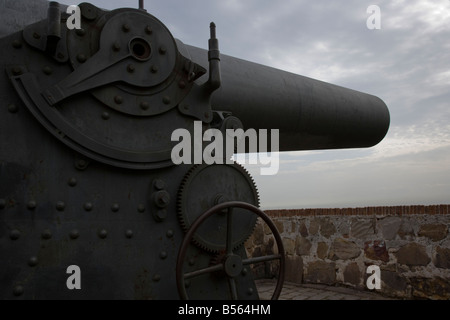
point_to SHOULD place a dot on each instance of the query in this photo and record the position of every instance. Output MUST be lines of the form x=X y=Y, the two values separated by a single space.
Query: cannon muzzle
x=310 y=114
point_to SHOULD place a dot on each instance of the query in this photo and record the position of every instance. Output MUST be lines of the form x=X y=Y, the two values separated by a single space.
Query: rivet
x=148 y=30
x=17 y=44
x=81 y=164
x=81 y=58
x=47 y=70
x=182 y=84
x=18 y=291
x=169 y=233
x=118 y=99
x=161 y=215
x=60 y=205
x=2 y=203
x=131 y=68
x=116 y=46
x=102 y=233
x=144 y=105
x=163 y=255
x=115 y=207
x=141 y=208
x=33 y=261
x=74 y=234
x=166 y=100
x=72 y=182
x=46 y=234
x=125 y=27
x=12 y=108
x=129 y=234
x=191 y=261
x=156 y=277
x=105 y=115
x=162 y=199
x=80 y=32
x=17 y=71
x=154 y=69
x=88 y=206
x=244 y=271
x=14 y=235
x=31 y=205
x=159 y=184
x=162 y=50
x=250 y=291
x=36 y=35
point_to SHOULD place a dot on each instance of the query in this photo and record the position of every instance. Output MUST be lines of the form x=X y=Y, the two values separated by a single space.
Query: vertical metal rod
x=141 y=4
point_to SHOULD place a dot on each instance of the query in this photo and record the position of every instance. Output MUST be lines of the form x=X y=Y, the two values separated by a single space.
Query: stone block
x=303 y=230
x=431 y=288
x=327 y=228
x=389 y=227
x=376 y=250
x=442 y=258
x=303 y=246
x=362 y=229
x=289 y=246
x=294 y=269
x=352 y=274
x=322 y=250
x=321 y=272
x=406 y=230
x=434 y=232
x=343 y=249
x=393 y=281
x=413 y=254
x=314 y=227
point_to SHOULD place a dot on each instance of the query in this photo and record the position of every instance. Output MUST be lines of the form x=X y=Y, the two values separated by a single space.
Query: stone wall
x=410 y=244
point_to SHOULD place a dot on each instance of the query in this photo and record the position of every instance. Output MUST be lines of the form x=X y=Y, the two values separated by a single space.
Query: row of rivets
x=126 y=28
x=74 y=234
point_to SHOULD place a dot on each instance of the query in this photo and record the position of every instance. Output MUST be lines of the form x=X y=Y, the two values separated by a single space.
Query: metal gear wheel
x=205 y=186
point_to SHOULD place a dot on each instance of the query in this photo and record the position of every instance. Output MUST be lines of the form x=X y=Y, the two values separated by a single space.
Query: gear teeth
x=180 y=204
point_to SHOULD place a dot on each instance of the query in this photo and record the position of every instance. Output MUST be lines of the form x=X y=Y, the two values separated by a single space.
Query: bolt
x=72 y=182
x=144 y=105
x=162 y=199
x=154 y=69
x=74 y=234
x=130 y=68
x=159 y=184
x=33 y=261
x=81 y=58
x=148 y=30
x=118 y=99
x=166 y=100
x=12 y=108
x=161 y=215
x=60 y=205
x=31 y=205
x=116 y=46
x=162 y=50
x=14 y=235
x=88 y=206
x=47 y=234
x=125 y=27
x=105 y=115
x=102 y=234
x=18 y=291
x=47 y=70
x=129 y=234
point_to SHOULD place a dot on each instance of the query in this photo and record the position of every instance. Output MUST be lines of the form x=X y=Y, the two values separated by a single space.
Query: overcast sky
x=406 y=63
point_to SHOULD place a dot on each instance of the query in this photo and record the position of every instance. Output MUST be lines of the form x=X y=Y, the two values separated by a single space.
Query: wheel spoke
x=200 y=272
x=230 y=231
x=261 y=259
x=233 y=289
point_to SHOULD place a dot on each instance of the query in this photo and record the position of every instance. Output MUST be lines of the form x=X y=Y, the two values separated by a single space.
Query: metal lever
x=214 y=80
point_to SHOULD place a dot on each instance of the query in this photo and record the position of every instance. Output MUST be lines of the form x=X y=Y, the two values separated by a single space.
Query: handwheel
x=233 y=263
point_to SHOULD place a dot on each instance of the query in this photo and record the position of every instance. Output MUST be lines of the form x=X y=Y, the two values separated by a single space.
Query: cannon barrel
x=309 y=113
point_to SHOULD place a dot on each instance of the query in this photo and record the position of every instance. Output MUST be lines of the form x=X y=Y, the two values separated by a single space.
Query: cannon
x=92 y=205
